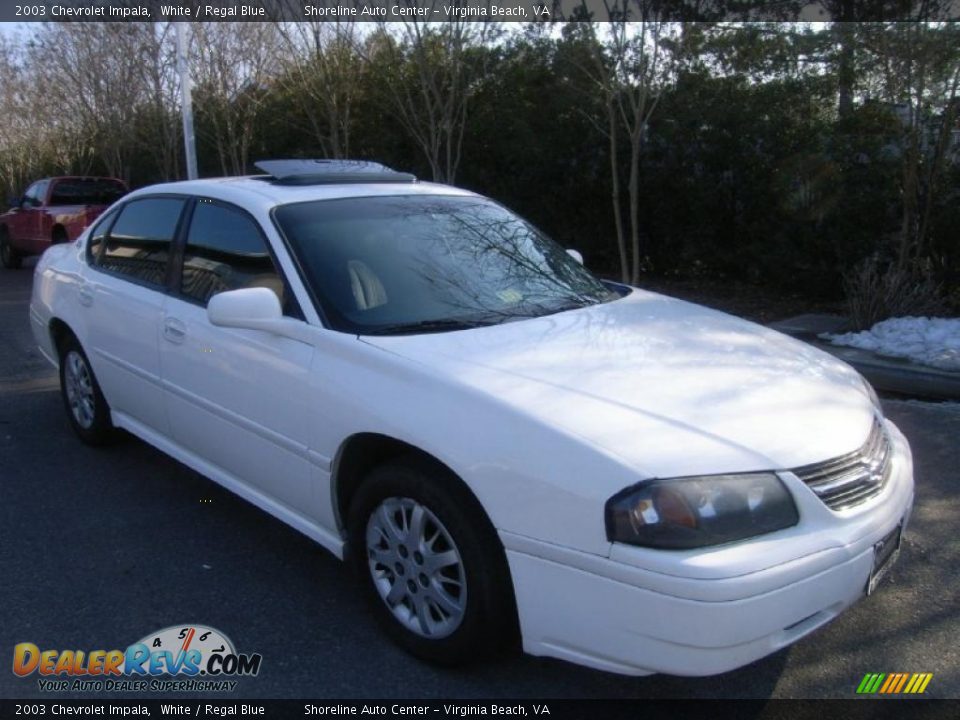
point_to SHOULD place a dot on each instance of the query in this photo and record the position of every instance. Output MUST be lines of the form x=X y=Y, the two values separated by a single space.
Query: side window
x=138 y=245
x=98 y=235
x=34 y=195
x=225 y=250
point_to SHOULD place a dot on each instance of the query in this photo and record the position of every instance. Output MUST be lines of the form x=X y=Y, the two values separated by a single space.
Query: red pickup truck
x=53 y=210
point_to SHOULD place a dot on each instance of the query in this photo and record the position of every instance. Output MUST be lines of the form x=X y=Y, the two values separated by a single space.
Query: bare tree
x=627 y=71
x=92 y=73
x=430 y=74
x=915 y=68
x=24 y=145
x=233 y=65
x=322 y=73
x=159 y=125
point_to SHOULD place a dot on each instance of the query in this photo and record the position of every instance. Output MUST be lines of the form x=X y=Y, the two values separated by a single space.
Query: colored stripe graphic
x=894 y=683
x=870 y=683
x=891 y=681
x=901 y=682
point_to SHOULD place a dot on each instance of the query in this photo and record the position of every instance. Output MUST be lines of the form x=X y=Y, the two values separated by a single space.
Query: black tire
x=9 y=257
x=487 y=624
x=83 y=400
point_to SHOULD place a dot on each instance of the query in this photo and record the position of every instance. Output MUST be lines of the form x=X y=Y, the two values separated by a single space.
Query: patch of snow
x=934 y=342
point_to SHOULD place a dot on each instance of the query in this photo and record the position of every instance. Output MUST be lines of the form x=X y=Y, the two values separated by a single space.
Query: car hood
x=670 y=387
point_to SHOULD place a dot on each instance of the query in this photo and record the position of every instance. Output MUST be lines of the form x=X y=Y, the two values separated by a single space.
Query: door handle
x=174 y=330
x=85 y=294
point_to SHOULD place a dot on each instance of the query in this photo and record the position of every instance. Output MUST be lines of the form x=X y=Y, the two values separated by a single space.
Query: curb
x=888 y=374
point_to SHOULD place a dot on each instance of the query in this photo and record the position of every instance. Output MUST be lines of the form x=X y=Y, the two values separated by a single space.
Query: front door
x=237 y=398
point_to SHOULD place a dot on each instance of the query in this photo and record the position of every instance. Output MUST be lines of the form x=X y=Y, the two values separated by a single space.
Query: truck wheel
x=10 y=258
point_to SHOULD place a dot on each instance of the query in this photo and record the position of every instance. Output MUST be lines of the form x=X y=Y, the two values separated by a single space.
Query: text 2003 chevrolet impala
x=423 y=383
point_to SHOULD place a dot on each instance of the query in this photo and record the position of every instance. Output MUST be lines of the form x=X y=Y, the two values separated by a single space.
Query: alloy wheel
x=79 y=386
x=416 y=567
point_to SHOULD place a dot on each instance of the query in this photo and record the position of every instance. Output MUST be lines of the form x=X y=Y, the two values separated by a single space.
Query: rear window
x=87 y=191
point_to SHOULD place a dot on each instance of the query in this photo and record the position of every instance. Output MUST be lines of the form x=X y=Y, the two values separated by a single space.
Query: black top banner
x=639 y=709
x=476 y=10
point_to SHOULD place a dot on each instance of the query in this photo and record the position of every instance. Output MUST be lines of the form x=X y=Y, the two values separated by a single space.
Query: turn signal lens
x=673 y=508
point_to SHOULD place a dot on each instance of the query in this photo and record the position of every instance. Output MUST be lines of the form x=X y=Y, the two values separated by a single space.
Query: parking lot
x=99 y=547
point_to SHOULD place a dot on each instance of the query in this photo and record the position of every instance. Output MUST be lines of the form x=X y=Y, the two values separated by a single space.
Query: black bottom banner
x=638 y=709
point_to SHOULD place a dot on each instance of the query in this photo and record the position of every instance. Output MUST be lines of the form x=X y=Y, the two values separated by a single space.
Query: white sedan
x=502 y=444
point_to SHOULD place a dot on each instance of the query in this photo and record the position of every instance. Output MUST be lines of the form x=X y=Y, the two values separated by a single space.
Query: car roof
x=261 y=192
x=83 y=177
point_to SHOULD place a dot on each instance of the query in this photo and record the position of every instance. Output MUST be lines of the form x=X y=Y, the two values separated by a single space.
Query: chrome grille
x=854 y=478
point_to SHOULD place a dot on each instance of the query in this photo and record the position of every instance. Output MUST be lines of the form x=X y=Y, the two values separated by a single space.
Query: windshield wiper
x=427 y=326
x=571 y=304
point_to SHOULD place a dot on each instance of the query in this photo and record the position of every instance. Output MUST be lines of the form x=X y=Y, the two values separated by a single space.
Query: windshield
x=417 y=263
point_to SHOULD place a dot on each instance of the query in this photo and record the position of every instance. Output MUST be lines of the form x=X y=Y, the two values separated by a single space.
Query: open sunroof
x=327 y=172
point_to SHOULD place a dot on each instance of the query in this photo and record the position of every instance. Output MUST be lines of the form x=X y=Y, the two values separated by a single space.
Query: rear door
x=240 y=399
x=122 y=295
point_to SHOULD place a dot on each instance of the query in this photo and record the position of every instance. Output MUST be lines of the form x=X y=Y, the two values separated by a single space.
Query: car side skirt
x=297 y=521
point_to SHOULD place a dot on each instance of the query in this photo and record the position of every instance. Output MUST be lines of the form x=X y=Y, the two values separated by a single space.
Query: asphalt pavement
x=99 y=547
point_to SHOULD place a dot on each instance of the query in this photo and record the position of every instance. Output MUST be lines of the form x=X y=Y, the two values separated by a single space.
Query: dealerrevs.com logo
x=198 y=657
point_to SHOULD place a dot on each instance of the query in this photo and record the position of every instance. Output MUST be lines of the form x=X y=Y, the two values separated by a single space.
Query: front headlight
x=694 y=512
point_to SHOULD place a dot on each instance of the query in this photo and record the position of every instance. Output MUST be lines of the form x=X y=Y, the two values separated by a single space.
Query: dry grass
x=876 y=292
x=762 y=304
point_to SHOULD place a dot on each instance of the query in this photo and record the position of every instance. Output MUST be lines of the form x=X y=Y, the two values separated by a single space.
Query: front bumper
x=703 y=612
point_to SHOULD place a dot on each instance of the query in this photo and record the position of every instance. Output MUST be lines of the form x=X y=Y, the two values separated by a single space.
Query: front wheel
x=10 y=258
x=431 y=564
x=86 y=407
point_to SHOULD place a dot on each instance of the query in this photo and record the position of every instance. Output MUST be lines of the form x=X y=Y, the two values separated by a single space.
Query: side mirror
x=258 y=308
x=250 y=308
x=575 y=254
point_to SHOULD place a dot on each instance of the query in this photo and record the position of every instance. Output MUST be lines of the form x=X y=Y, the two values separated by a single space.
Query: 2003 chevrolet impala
x=500 y=442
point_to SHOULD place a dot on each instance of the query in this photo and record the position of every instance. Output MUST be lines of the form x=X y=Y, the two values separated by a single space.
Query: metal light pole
x=189 y=141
